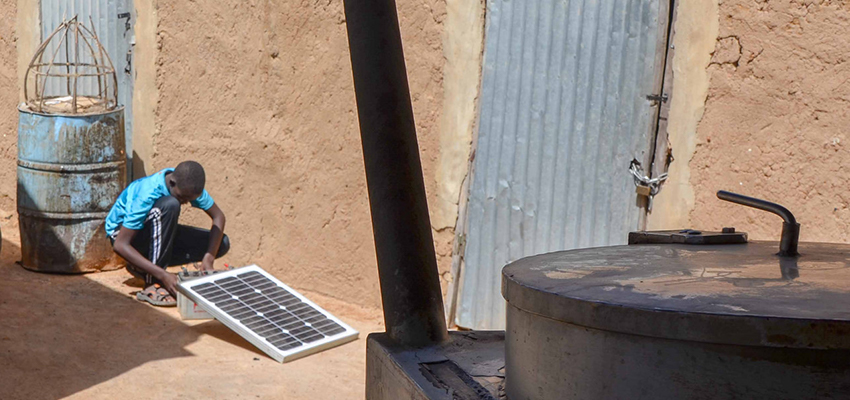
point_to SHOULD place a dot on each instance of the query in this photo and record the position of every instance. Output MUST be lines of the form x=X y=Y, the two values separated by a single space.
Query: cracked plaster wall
x=694 y=40
x=9 y=98
x=775 y=118
x=463 y=47
x=261 y=93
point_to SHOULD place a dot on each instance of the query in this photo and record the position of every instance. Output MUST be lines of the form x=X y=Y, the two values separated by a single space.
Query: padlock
x=641 y=190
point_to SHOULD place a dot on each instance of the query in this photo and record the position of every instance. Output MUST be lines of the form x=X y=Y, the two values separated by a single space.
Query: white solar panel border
x=255 y=339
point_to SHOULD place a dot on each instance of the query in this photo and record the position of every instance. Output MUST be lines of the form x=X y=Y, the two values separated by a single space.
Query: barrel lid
x=741 y=294
x=23 y=108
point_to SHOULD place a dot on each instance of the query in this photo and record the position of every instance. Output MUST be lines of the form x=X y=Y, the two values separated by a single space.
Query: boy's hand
x=207 y=263
x=169 y=282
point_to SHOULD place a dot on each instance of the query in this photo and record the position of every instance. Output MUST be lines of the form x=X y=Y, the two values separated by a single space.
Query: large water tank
x=71 y=168
x=680 y=316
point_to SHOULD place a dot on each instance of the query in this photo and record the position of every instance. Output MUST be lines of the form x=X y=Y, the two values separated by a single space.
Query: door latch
x=657 y=98
x=127 y=25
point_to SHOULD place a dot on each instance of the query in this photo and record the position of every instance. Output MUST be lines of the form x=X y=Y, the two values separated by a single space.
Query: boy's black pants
x=163 y=241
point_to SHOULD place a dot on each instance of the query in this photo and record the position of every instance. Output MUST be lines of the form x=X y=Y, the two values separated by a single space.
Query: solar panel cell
x=315 y=319
x=240 y=291
x=284 y=300
x=205 y=288
x=243 y=315
x=329 y=328
x=258 y=323
x=229 y=283
x=252 y=299
x=229 y=304
x=306 y=334
x=285 y=342
x=268 y=307
x=299 y=309
x=219 y=298
x=252 y=274
x=268 y=331
x=291 y=324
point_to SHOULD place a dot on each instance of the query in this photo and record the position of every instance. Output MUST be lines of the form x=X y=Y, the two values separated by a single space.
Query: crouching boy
x=143 y=228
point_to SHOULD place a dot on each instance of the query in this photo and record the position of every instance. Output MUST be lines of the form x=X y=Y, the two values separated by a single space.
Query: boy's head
x=188 y=182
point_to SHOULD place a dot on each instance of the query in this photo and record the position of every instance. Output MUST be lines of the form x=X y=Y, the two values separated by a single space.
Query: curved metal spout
x=790 y=227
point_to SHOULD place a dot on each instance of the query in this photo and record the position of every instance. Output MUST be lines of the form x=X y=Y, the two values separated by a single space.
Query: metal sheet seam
x=561 y=115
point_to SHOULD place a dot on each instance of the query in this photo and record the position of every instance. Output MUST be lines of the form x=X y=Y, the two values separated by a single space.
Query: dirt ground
x=85 y=337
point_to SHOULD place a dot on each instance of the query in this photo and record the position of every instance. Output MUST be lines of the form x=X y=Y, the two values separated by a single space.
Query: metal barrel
x=679 y=321
x=71 y=168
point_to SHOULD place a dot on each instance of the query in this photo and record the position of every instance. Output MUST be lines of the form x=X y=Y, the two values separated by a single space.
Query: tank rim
x=22 y=108
x=525 y=287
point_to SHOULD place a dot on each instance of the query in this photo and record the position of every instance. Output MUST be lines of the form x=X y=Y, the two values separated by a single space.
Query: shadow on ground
x=61 y=334
x=86 y=337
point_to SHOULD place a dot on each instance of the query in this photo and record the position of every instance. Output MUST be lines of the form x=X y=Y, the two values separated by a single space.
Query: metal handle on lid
x=790 y=228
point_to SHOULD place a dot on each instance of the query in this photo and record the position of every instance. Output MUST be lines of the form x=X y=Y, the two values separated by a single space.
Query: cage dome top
x=71 y=73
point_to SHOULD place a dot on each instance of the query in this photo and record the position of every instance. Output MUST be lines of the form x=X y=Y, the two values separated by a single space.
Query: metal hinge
x=127 y=25
x=129 y=67
x=461 y=244
x=656 y=98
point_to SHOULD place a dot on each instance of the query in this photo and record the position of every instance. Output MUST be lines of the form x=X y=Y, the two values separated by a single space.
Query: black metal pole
x=407 y=265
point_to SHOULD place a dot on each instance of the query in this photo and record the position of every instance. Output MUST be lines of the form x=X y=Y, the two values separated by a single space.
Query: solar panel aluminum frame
x=281 y=356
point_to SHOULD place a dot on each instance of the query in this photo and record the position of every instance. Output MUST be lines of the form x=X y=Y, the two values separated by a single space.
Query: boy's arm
x=124 y=249
x=216 y=233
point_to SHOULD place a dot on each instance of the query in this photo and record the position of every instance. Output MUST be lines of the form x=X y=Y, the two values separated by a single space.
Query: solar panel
x=267 y=313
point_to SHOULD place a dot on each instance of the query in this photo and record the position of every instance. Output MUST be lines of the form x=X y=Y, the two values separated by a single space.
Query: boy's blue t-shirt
x=136 y=201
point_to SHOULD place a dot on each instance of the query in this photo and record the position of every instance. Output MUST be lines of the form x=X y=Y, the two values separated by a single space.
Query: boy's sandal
x=158 y=296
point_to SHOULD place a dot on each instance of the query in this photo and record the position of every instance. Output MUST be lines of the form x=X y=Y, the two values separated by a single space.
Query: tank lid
x=742 y=294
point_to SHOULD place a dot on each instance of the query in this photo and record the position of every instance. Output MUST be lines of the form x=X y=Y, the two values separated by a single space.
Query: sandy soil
x=85 y=337
x=776 y=118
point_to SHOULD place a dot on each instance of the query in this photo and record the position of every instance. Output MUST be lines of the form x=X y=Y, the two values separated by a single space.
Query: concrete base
x=469 y=366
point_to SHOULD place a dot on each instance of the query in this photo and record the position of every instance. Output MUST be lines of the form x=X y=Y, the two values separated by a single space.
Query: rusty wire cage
x=71 y=73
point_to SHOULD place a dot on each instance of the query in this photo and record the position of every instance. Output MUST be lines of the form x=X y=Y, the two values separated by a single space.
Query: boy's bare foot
x=157 y=295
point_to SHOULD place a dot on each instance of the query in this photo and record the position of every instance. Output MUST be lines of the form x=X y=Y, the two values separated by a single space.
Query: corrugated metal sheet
x=563 y=112
x=115 y=36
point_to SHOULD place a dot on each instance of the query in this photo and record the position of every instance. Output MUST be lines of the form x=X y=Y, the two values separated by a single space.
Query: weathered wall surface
x=776 y=118
x=463 y=47
x=8 y=112
x=694 y=38
x=145 y=92
x=261 y=93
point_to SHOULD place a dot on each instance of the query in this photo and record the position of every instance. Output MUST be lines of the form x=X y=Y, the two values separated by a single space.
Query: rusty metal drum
x=71 y=168
x=680 y=321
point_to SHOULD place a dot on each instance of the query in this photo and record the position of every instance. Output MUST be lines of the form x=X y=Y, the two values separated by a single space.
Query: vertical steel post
x=407 y=265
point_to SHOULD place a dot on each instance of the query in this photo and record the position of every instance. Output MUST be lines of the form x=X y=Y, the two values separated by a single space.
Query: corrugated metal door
x=563 y=111
x=113 y=23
